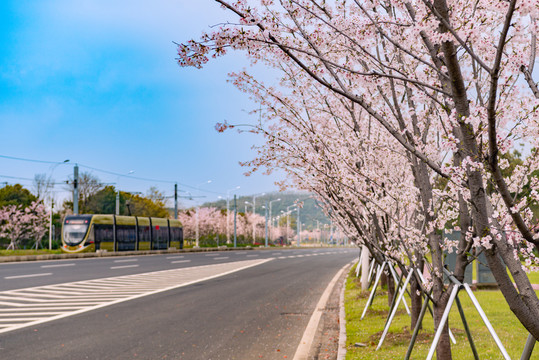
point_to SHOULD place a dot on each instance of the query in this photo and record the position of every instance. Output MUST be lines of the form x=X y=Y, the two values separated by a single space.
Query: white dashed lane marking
x=27 y=276
x=56 y=266
x=123 y=267
x=180 y=261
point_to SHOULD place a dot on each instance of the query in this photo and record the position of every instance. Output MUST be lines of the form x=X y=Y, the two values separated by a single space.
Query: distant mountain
x=309 y=213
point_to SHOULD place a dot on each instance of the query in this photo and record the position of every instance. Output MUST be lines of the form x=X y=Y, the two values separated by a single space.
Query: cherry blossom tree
x=13 y=224
x=212 y=222
x=451 y=84
x=39 y=223
x=18 y=223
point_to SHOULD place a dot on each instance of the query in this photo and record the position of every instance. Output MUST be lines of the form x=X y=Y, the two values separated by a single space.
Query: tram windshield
x=74 y=231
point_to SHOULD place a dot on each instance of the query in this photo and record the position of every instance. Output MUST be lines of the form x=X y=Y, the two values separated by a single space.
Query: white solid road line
x=26 y=276
x=57 y=265
x=306 y=342
x=123 y=267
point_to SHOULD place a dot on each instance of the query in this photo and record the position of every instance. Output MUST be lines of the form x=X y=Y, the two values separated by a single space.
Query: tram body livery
x=87 y=233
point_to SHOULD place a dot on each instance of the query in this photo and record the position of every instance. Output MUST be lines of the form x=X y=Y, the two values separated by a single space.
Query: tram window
x=126 y=238
x=160 y=237
x=175 y=234
x=103 y=233
x=144 y=233
x=126 y=234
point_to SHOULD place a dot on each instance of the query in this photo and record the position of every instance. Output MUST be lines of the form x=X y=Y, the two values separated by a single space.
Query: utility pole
x=176 y=201
x=76 y=189
x=235 y=214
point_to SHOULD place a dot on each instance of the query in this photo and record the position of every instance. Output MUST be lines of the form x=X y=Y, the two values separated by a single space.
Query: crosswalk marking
x=32 y=306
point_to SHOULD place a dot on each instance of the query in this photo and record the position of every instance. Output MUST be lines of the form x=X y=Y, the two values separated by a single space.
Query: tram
x=88 y=233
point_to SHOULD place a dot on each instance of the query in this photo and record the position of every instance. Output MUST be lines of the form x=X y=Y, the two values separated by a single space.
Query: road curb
x=307 y=340
x=341 y=354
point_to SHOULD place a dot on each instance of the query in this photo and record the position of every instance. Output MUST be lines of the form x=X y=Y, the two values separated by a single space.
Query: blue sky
x=96 y=82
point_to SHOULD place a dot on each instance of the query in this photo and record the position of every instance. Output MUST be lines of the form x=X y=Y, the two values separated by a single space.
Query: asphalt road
x=254 y=312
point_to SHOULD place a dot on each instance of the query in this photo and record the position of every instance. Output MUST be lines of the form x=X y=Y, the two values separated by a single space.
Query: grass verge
x=369 y=330
x=20 y=252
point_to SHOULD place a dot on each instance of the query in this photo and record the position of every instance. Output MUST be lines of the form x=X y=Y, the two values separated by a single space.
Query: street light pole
x=288 y=219
x=266 y=228
x=299 y=229
x=52 y=201
x=254 y=212
x=196 y=239
x=235 y=214
x=227 y=214
x=50 y=224
x=270 y=216
x=248 y=203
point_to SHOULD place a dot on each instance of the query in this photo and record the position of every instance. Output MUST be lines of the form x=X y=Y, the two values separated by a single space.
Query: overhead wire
x=103 y=171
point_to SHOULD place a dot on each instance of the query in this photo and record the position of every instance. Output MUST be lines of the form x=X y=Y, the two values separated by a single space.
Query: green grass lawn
x=368 y=331
x=534 y=277
x=20 y=252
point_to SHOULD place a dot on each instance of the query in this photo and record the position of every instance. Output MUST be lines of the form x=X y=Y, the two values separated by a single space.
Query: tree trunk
x=390 y=289
x=416 y=298
x=443 y=350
